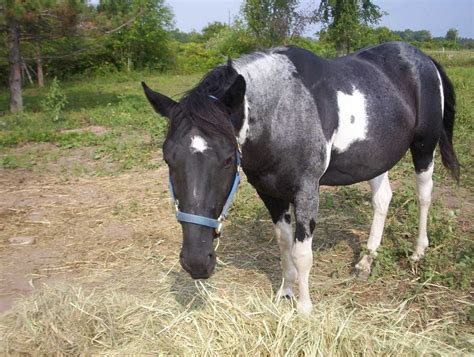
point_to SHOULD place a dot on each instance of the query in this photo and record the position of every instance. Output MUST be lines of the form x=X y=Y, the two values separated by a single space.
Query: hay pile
x=71 y=320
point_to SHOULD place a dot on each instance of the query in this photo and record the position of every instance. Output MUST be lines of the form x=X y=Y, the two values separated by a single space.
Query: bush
x=196 y=57
x=321 y=48
x=233 y=41
x=55 y=101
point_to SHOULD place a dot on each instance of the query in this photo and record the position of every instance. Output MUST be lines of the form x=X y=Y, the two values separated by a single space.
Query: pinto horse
x=295 y=121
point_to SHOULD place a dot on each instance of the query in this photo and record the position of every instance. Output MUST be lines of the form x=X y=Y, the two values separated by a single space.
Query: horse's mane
x=198 y=106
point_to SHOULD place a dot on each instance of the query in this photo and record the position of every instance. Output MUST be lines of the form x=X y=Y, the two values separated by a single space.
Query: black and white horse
x=301 y=121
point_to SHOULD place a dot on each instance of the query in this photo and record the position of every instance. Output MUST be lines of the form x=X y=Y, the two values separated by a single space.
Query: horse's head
x=201 y=153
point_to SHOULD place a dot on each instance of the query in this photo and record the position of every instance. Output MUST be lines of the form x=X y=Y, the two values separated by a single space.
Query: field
x=103 y=275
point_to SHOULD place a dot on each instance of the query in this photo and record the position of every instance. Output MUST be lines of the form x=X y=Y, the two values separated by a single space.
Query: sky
x=437 y=16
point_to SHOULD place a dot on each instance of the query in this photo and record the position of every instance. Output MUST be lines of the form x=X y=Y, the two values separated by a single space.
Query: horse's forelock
x=200 y=109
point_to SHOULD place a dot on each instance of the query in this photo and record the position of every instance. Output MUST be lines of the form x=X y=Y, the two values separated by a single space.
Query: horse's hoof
x=416 y=257
x=285 y=294
x=362 y=275
x=362 y=268
x=305 y=308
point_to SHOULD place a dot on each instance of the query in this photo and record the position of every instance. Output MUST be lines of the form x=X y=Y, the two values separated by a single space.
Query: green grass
x=113 y=101
x=453 y=58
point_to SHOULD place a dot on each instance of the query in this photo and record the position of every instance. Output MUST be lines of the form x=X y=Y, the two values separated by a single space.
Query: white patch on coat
x=424 y=188
x=198 y=144
x=441 y=90
x=284 y=234
x=244 y=130
x=329 y=145
x=303 y=259
x=381 y=197
x=352 y=119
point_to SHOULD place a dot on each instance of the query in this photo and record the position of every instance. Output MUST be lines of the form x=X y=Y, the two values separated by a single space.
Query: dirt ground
x=79 y=223
x=91 y=230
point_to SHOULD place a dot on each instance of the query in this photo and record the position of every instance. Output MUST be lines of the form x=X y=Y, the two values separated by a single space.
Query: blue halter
x=206 y=221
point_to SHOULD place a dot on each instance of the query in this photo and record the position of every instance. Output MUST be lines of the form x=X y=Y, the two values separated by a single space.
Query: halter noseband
x=207 y=221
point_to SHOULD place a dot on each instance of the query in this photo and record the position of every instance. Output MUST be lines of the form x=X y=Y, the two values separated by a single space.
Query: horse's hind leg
x=381 y=197
x=281 y=217
x=424 y=165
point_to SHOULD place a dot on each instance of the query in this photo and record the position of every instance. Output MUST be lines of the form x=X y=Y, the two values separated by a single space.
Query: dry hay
x=72 y=320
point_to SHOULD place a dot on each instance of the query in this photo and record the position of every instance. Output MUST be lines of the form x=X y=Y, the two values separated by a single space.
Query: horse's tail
x=448 y=155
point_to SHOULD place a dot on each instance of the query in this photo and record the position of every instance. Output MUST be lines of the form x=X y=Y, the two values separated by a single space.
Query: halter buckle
x=219 y=227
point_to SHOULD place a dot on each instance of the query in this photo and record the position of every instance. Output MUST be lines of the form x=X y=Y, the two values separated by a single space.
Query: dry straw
x=71 y=320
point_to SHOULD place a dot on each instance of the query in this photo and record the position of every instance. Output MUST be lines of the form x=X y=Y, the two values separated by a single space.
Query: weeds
x=54 y=103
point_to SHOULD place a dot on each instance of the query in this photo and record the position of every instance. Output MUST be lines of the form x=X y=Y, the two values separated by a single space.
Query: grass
x=135 y=301
x=116 y=103
x=453 y=58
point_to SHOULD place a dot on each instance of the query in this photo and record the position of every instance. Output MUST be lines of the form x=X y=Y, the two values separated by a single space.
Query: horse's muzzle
x=198 y=266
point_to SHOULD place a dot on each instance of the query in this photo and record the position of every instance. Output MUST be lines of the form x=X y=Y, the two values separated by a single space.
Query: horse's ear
x=161 y=103
x=234 y=96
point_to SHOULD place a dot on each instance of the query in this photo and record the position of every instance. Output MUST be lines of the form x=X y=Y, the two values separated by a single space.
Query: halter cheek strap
x=207 y=221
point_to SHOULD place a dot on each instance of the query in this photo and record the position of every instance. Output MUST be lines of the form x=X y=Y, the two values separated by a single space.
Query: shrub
x=196 y=57
x=55 y=101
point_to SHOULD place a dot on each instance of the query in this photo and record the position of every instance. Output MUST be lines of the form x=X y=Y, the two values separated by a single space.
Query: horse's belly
x=362 y=162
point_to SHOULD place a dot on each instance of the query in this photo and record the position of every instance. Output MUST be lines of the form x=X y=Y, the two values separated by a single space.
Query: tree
x=409 y=35
x=272 y=21
x=14 y=55
x=452 y=35
x=23 y=21
x=343 y=21
x=212 y=29
x=422 y=36
x=57 y=20
x=142 y=39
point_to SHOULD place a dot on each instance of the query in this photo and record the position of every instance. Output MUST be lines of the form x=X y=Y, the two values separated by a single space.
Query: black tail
x=448 y=156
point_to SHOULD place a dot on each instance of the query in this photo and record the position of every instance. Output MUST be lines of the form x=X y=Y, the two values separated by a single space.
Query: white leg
x=303 y=258
x=424 y=187
x=381 y=197
x=284 y=236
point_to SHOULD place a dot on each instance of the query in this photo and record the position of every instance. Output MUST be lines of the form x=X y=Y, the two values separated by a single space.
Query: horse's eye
x=228 y=163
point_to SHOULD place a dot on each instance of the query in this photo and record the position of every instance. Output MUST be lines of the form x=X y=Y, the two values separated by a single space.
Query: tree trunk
x=14 y=59
x=39 y=66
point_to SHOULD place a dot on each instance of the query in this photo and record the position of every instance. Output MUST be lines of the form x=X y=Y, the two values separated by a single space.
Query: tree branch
x=125 y=24
x=57 y=57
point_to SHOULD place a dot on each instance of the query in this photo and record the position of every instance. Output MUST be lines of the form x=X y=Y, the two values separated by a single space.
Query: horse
x=295 y=121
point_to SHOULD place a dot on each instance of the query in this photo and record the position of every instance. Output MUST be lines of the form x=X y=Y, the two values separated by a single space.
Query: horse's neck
x=264 y=75
x=269 y=81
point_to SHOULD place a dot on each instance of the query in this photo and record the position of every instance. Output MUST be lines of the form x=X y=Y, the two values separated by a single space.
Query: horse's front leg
x=306 y=211
x=279 y=211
